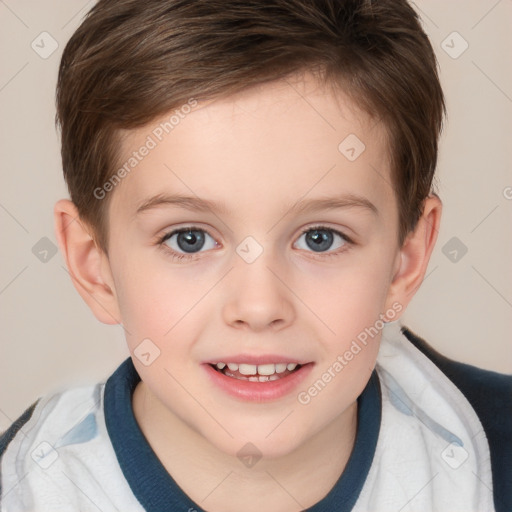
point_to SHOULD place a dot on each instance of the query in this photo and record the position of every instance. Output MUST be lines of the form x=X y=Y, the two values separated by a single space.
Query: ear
x=87 y=264
x=412 y=260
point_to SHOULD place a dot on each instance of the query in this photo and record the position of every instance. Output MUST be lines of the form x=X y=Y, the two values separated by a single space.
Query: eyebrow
x=301 y=206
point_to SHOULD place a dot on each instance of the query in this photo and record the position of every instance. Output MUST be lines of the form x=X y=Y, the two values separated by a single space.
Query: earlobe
x=415 y=253
x=86 y=263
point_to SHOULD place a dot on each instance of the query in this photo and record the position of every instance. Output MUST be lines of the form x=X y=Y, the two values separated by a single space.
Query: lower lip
x=258 y=391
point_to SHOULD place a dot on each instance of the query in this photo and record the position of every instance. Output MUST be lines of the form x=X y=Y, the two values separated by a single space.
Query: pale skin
x=258 y=153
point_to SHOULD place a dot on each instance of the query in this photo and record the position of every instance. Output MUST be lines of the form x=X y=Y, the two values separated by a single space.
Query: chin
x=257 y=443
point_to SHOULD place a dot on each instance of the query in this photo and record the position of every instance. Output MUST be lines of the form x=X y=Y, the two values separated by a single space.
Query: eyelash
x=193 y=256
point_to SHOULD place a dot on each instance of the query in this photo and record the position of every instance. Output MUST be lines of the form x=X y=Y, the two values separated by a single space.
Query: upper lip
x=257 y=359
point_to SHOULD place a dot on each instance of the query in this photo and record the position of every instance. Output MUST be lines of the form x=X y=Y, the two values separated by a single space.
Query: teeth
x=247 y=369
x=268 y=370
x=266 y=378
x=280 y=368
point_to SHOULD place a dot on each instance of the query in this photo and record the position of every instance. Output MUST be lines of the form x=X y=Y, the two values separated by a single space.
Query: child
x=294 y=143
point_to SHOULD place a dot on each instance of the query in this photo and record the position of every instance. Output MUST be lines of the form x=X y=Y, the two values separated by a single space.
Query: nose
x=257 y=297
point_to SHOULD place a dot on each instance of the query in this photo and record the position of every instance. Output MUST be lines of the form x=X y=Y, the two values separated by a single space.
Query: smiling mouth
x=256 y=373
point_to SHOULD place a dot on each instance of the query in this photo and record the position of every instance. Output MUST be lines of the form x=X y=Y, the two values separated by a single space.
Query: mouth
x=266 y=372
x=258 y=379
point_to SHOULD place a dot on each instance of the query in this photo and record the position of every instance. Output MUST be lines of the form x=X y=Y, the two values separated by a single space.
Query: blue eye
x=188 y=240
x=186 y=243
x=321 y=239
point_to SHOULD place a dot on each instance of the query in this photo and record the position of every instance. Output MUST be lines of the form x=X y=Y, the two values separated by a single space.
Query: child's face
x=304 y=299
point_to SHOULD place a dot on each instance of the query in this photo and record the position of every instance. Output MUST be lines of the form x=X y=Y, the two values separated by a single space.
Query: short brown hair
x=130 y=62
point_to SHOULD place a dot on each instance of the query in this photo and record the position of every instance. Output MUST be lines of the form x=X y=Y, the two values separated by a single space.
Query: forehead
x=273 y=143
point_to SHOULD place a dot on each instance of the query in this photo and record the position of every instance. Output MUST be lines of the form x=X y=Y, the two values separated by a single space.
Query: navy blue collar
x=157 y=491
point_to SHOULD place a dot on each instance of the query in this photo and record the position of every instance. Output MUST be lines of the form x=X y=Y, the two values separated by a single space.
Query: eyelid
x=186 y=227
x=326 y=227
x=169 y=234
x=348 y=243
x=191 y=227
x=175 y=255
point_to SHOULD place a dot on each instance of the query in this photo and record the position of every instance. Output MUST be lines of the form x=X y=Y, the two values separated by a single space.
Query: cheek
x=156 y=299
x=350 y=305
x=146 y=299
x=350 y=298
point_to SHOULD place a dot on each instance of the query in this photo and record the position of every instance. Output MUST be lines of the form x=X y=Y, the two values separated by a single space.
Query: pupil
x=190 y=241
x=320 y=240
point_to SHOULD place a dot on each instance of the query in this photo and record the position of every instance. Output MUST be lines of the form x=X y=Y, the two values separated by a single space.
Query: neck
x=217 y=481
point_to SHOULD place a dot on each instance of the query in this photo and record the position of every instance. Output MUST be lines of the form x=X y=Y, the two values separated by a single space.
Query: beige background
x=50 y=339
